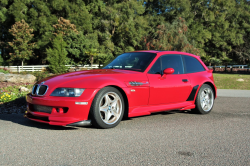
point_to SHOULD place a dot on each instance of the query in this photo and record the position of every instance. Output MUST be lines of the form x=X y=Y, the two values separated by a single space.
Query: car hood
x=89 y=78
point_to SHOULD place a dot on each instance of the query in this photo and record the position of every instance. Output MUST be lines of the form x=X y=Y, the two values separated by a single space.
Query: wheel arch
x=198 y=108
x=125 y=115
x=212 y=86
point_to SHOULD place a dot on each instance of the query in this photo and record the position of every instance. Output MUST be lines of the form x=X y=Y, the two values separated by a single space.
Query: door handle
x=184 y=80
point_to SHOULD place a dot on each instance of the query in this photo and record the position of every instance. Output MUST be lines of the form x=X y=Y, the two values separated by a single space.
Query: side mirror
x=168 y=71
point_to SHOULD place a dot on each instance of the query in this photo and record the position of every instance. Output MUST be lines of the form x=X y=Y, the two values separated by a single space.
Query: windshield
x=136 y=61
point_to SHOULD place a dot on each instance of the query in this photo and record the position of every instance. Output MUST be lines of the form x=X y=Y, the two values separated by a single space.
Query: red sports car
x=133 y=84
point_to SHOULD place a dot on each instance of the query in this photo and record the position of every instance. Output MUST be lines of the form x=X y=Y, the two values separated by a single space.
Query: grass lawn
x=229 y=81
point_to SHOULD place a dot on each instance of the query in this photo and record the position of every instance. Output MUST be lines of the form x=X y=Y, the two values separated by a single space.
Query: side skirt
x=147 y=110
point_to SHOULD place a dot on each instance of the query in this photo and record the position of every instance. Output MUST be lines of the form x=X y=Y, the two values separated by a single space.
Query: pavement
x=221 y=137
x=233 y=93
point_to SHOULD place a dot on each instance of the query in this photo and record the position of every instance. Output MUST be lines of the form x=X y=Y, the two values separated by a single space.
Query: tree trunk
x=22 y=65
x=225 y=68
x=92 y=59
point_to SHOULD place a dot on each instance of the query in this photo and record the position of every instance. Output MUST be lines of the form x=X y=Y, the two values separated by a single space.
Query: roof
x=149 y=51
x=167 y=51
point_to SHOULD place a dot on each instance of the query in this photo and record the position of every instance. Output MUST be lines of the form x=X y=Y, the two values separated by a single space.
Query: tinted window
x=173 y=61
x=192 y=65
x=168 y=61
x=137 y=61
x=156 y=68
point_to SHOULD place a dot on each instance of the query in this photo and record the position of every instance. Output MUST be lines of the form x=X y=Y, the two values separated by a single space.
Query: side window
x=192 y=64
x=156 y=68
x=173 y=61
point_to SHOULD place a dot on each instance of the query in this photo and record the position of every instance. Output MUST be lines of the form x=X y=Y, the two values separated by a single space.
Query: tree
x=121 y=26
x=76 y=47
x=80 y=47
x=64 y=27
x=92 y=53
x=57 y=55
x=170 y=37
x=218 y=28
x=21 y=44
x=241 y=53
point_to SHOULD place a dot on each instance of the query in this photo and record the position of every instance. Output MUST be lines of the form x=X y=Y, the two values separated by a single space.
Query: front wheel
x=204 y=100
x=107 y=108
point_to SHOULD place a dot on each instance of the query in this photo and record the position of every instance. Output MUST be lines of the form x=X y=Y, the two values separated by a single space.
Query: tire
x=205 y=100
x=107 y=108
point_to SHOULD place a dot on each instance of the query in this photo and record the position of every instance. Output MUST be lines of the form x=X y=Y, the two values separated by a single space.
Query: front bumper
x=63 y=111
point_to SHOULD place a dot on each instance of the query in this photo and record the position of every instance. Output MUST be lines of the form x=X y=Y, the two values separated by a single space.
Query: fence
x=231 y=66
x=239 y=69
x=42 y=67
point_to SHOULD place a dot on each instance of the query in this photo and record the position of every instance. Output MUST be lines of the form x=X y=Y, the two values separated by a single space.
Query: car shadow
x=18 y=116
x=162 y=113
x=13 y=111
x=21 y=120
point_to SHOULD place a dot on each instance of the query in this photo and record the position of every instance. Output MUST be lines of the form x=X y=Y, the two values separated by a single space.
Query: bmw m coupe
x=133 y=84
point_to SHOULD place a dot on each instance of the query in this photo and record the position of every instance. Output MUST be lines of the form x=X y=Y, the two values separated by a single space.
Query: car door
x=170 y=88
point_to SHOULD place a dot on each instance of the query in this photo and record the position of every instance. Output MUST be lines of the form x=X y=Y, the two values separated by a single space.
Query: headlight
x=67 y=92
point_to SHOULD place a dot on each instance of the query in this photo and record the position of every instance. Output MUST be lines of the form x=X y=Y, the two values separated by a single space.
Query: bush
x=11 y=93
x=41 y=75
x=6 y=98
x=4 y=70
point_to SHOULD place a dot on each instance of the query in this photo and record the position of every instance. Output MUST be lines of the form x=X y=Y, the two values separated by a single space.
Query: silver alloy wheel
x=110 y=108
x=207 y=99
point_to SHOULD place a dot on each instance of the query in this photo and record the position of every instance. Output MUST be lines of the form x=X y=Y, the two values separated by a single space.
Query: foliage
x=210 y=61
x=1 y=60
x=170 y=37
x=6 y=98
x=64 y=27
x=41 y=75
x=76 y=47
x=57 y=55
x=218 y=29
x=121 y=26
x=22 y=48
x=79 y=47
x=11 y=93
x=4 y=70
x=92 y=53
x=104 y=58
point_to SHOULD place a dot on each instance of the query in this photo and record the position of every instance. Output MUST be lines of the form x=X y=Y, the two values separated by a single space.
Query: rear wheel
x=107 y=108
x=204 y=100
